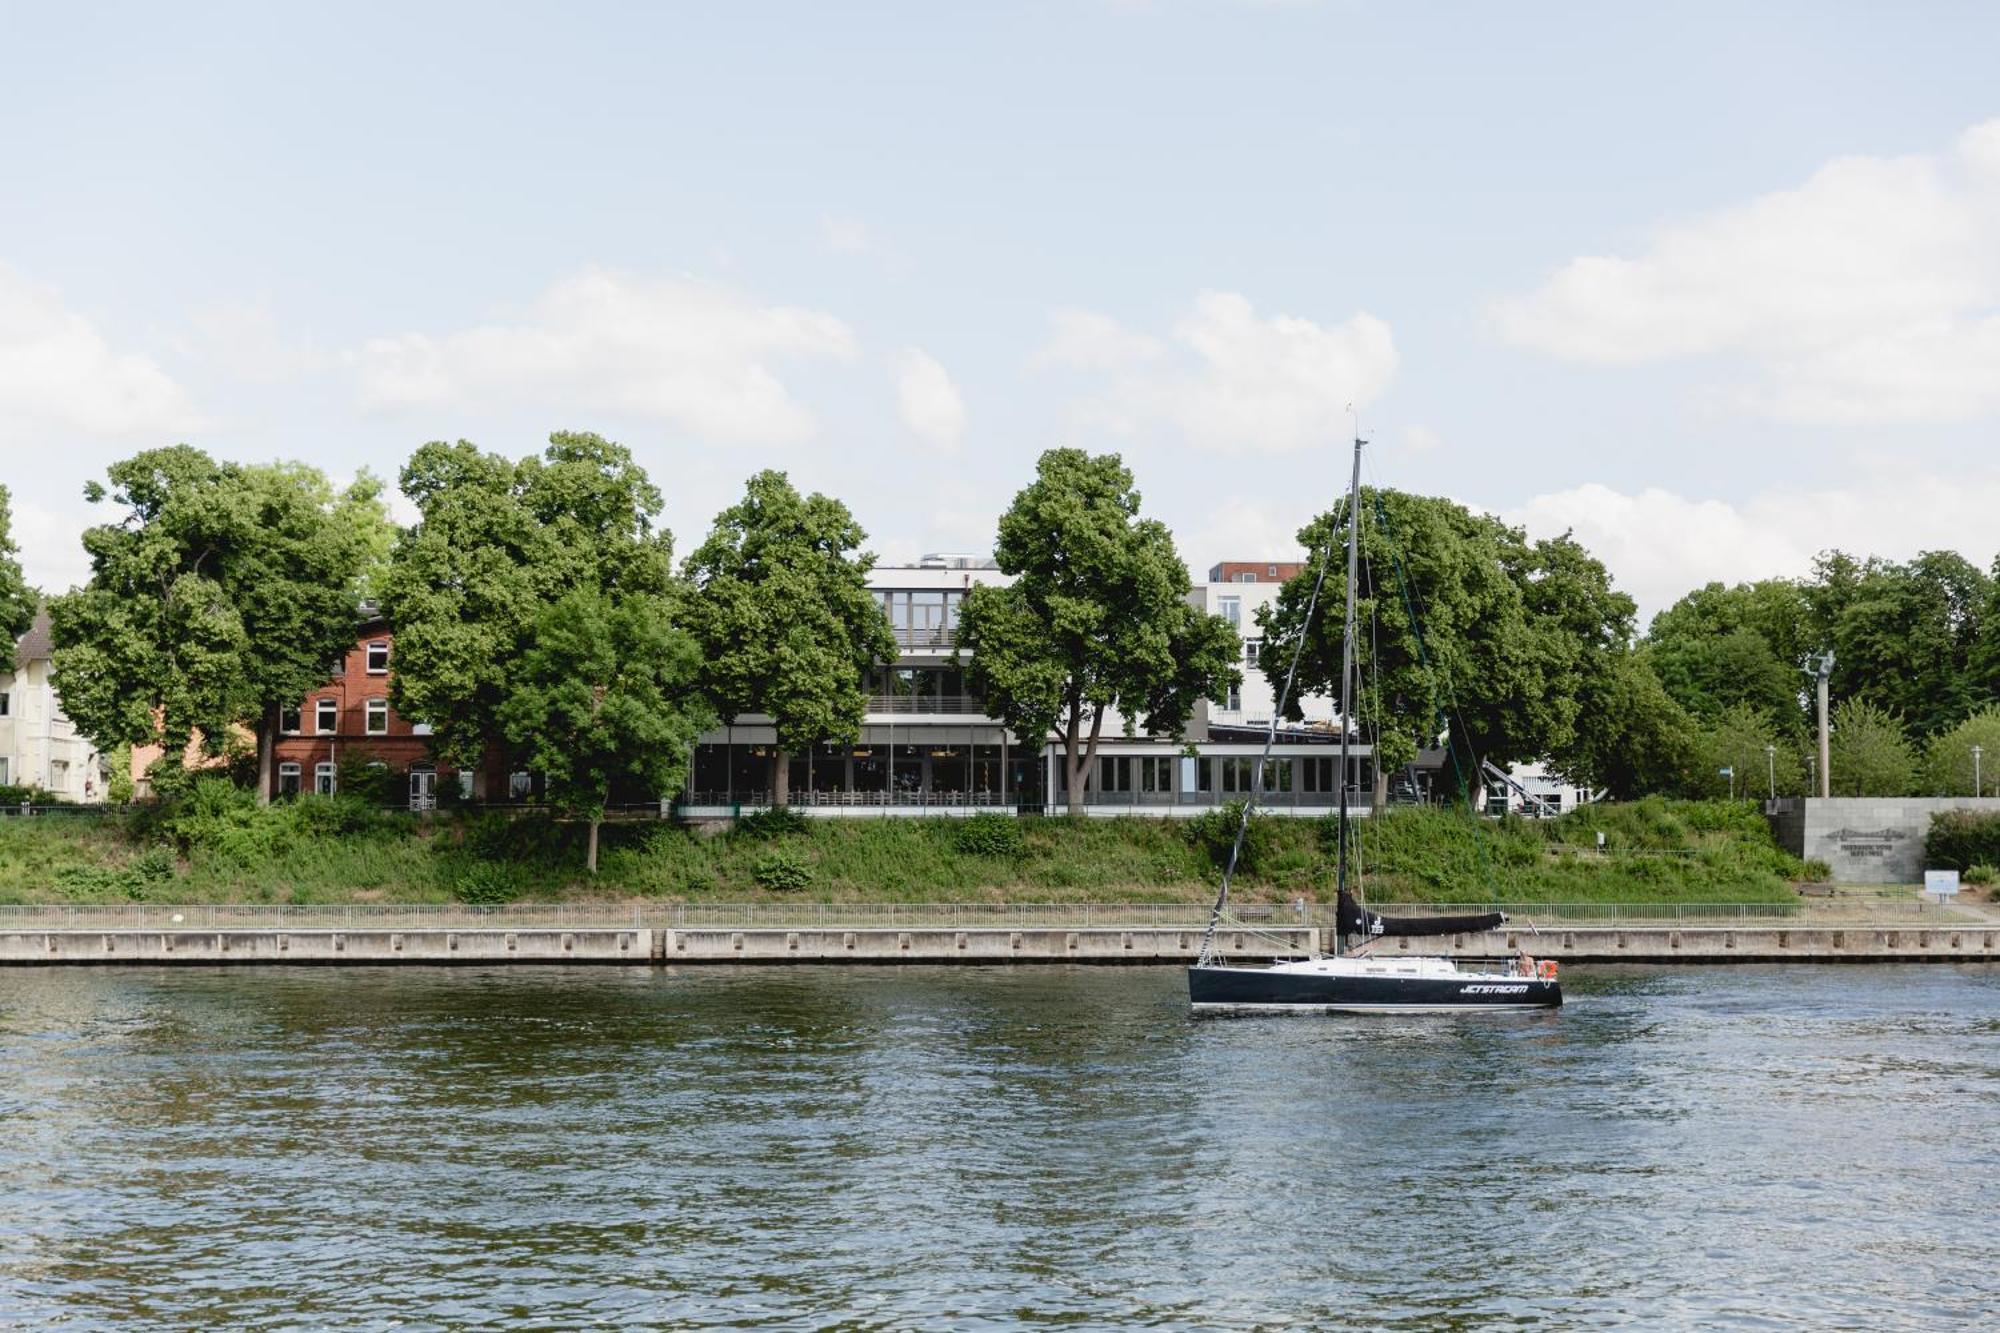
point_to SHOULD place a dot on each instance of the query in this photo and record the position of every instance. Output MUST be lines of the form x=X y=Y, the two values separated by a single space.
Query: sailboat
x=1356 y=980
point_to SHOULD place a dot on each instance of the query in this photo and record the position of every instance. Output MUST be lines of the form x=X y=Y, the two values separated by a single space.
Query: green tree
x=1453 y=634
x=606 y=697
x=786 y=622
x=1906 y=636
x=1743 y=739
x=1948 y=768
x=1630 y=737
x=1720 y=646
x=216 y=599
x=1096 y=622
x=496 y=542
x=1871 y=753
x=17 y=599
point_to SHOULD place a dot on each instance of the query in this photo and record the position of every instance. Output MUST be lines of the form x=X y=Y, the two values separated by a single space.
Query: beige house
x=38 y=745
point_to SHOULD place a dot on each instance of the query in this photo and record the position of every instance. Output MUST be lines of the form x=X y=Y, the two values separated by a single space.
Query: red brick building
x=1255 y=571
x=349 y=721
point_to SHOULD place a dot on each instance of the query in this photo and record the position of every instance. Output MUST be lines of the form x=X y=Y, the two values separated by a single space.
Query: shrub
x=990 y=835
x=777 y=822
x=1981 y=874
x=485 y=885
x=1214 y=833
x=781 y=870
x=1815 y=870
x=16 y=795
x=1961 y=839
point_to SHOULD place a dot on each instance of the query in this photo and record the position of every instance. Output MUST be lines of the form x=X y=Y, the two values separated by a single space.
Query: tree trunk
x=590 y=856
x=781 y=779
x=267 y=745
x=1381 y=801
x=1072 y=770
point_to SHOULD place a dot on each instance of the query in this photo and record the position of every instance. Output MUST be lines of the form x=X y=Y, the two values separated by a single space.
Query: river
x=929 y=1148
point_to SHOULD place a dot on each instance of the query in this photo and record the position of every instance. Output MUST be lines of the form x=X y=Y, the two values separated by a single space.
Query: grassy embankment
x=217 y=847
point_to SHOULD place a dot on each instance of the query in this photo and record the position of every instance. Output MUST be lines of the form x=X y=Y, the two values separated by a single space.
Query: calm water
x=938 y=1148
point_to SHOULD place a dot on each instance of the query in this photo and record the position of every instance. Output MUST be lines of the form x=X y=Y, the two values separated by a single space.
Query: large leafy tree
x=1744 y=740
x=1630 y=737
x=1721 y=646
x=498 y=541
x=1871 y=751
x=216 y=599
x=787 y=624
x=1948 y=767
x=606 y=696
x=1096 y=622
x=1908 y=637
x=17 y=599
x=1464 y=626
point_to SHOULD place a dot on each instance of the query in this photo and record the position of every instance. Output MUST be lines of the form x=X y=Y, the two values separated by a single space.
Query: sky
x=1715 y=286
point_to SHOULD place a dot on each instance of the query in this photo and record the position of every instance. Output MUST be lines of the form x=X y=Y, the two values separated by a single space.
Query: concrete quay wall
x=1770 y=943
x=1036 y=944
x=1947 y=943
x=349 y=947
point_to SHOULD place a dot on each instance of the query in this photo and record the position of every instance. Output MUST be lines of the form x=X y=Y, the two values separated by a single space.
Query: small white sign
x=1941 y=884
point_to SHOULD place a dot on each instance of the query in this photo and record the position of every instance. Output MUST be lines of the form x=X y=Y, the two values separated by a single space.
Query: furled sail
x=1353 y=921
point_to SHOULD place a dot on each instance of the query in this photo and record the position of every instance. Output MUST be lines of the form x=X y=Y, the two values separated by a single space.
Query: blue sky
x=1717 y=288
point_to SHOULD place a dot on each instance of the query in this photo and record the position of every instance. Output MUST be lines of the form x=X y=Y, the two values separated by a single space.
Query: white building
x=1236 y=590
x=927 y=744
x=38 y=745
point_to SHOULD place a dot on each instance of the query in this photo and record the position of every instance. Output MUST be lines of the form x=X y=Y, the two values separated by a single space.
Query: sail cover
x=1353 y=921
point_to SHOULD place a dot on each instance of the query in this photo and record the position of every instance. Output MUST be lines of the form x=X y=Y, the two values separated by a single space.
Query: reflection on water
x=970 y=1147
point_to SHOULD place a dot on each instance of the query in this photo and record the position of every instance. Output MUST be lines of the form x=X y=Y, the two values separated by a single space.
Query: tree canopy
x=786 y=622
x=606 y=696
x=496 y=542
x=17 y=599
x=1096 y=622
x=1722 y=646
x=1948 y=767
x=1464 y=624
x=216 y=598
x=1870 y=752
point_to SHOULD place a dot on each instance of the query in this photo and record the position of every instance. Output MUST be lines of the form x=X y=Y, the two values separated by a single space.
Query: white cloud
x=1086 y=340
x=845 y=235
x=930 y=403
x=51 y=543
x=243 y=341
x=59 y=376
x=695 y=356
x=1870 y=293
x=1239 y=381
x=1659 y=544
x=1418 y=440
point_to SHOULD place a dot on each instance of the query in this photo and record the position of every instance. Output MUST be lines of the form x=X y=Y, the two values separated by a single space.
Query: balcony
x=931 y=638
x=955 y=705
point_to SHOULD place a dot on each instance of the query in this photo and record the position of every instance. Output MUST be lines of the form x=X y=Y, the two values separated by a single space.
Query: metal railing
x=925 y=636
x=951 y=705
x=818 y=799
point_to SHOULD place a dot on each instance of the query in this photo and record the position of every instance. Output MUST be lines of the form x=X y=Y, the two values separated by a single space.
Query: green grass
x=218 y=847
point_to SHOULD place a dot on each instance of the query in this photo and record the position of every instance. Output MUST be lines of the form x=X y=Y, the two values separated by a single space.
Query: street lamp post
x=1771 y=767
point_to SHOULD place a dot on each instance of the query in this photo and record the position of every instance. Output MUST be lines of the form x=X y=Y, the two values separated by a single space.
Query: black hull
x=1249 y=990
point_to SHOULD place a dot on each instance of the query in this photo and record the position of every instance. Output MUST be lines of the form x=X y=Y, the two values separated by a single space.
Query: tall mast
x=1347 y=690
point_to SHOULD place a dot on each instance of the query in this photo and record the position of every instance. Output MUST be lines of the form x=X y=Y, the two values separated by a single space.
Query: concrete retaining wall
x=1136 y=944
x=326 y=946
x=1107 y=945
x=1865 y=839
x=1713 y=944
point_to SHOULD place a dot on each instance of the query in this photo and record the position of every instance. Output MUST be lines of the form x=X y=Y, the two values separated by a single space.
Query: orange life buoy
x=1548 y=969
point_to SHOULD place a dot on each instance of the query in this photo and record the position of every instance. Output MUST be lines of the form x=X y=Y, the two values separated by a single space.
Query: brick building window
x=377 y=722
x=378 y=658
x=326 y=716
x=289 y=722
x=288 y=779
x=324 y=781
